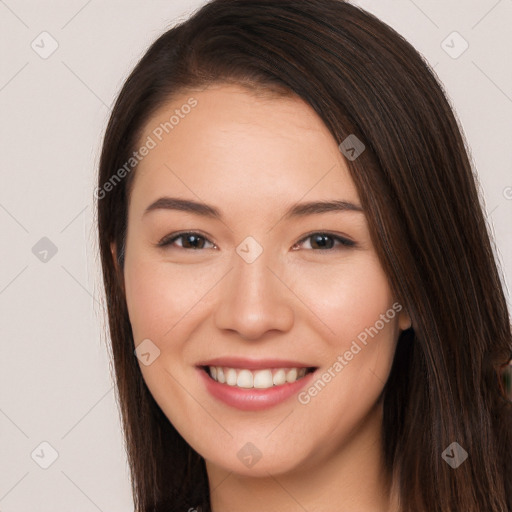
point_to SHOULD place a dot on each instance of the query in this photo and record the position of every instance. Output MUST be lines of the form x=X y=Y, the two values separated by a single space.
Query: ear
x=404 y=320
x=113 y=250
x=119 y=271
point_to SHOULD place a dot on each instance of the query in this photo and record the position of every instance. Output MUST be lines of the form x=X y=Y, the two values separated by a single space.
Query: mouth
x=261 y=378
x=250 y=384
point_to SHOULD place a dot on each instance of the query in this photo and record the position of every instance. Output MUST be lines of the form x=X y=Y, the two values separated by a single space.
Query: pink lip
x=253 y=399
x=253 y=364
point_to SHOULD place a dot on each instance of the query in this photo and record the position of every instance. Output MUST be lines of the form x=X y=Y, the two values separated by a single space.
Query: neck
x=351 y=478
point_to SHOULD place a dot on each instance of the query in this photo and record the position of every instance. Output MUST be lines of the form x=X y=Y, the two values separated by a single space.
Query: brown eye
x=191 y=241
x=325 y=241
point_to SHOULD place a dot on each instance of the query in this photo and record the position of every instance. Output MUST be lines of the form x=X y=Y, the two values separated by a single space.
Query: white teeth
x=263 y=379
x=259 y=379
x=291 y=376
x=231 y=377
x=245 y=379
x=279 y=378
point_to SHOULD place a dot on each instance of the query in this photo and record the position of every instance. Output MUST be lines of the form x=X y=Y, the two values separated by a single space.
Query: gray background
x=56 y=385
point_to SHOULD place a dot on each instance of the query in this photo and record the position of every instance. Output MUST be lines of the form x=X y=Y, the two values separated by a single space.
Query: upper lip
x=253 y=364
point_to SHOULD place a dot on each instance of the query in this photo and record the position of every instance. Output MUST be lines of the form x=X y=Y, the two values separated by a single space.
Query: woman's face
x=262 y=288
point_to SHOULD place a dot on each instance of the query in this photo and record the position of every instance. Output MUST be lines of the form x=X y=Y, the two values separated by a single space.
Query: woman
x=304 y=307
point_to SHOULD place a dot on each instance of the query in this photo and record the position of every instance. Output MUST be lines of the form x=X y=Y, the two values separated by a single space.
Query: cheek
x=162 y=297
x=160 y=302
x=147 y=296
x=347 y=299
x=357 y=304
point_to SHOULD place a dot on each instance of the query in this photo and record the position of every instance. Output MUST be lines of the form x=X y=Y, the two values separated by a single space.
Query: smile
x=257 y=379
x=250 y=385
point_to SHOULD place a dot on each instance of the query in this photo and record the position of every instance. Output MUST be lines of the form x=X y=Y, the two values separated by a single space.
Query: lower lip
x=253 y=399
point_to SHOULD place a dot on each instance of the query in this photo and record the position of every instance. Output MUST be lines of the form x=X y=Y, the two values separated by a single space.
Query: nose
x=254 y=300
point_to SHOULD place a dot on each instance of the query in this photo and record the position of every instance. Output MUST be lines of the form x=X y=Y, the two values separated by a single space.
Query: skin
x=252 y=156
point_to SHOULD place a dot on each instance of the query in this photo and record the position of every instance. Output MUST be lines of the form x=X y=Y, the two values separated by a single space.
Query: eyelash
x=344 y=242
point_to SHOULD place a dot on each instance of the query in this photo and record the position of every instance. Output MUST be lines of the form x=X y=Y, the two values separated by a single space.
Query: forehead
x=235 y=145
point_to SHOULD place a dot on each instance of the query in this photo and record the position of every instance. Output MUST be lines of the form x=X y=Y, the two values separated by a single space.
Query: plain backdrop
x=56 y=386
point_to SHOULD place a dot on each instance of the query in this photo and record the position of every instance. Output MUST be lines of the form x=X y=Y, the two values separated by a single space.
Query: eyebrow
x=205 y=210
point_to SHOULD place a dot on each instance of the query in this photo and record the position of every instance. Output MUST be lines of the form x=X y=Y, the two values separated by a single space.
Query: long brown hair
x=417 y=186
